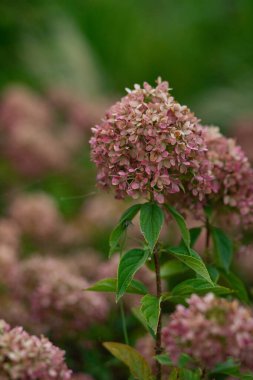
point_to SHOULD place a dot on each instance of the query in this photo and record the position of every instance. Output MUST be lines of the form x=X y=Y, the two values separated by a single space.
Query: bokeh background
x=203 y=48
x=62 y=63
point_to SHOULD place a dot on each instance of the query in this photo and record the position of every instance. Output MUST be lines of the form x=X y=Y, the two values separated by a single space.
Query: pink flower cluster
x=36 y=215
x=28 y=357
x=41 y=134
x=148 y=144
x=57 y=297
x=232 y=173
x=211 y=330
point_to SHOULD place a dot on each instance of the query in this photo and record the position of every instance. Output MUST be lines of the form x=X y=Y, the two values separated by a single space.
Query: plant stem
x=158 y=344
x=123 y=320
x=207 y=234
x=122 y=310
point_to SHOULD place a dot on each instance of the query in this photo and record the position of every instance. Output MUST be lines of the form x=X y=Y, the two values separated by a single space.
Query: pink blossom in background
x=210 y=330
x=101 y=211
x=57 y=297
x=81 y=113
x=85 y=263
x=232 y=173
x=34 y=150
x=147 y=143
x=9 y=233
x=41 y=134
x=28 y=357
x=9 y=267
x=19 y=103
x=36 y=215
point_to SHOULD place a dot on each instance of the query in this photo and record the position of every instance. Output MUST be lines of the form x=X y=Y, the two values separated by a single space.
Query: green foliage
x=183 y=360
x=109 y=285
x=173 y=267
x=194 y=234
x=151 y=309
x=129 y=264
x=121 y=227
x=198 y=286
x=179 y=370
x=137 y=365
x=190 y=258
x=223 y=248
x=140 y=317
x=181 y=224
x=164 y=359
x=151 y=222
x=237 y=285
x=229 y=368
x=214 y=272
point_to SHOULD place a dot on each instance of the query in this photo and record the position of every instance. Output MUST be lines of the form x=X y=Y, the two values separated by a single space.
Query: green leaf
x=199 y=286
x=236 y=284
x=173 y=374
x=109 y=285
x=194 y=234
x=151 y=222
x=208 y=211
x=115 y=238
x=121 y=227
x=227 y=368
x=129 y=264
x=137 y=365
x=164 y=359
x=151 y=308
x=138 y=315
x=183 y=360
x=223 y=248
x=173 y=267
x=181 y=224
x=214 y=273
x=192 y=260
x=247 y=376
x=187 y=374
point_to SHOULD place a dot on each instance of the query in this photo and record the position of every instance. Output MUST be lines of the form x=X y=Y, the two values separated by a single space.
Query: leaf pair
x=151 y=221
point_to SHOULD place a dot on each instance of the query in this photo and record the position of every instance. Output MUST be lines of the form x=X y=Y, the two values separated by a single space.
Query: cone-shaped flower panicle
x=149 y=145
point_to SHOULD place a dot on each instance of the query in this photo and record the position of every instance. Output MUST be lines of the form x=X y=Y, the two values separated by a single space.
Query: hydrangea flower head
x=28 y=357
x=232 y=173
x=211 y=330
x=57 y=298
x=149 y=145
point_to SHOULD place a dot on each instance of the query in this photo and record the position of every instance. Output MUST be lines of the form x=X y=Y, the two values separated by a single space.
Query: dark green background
x=204 y=48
